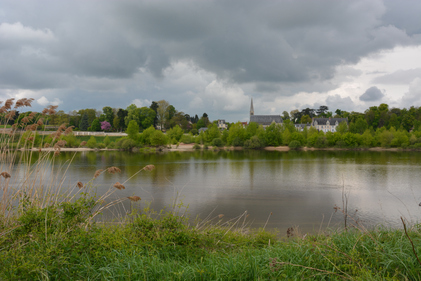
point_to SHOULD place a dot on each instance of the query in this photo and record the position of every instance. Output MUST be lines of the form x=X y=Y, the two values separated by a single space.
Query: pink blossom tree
x=105 y=126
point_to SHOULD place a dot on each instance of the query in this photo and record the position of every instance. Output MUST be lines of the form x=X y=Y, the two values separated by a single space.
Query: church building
x=264 y=120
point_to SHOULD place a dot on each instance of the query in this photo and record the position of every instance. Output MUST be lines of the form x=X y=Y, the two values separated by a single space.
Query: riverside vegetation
x=50 y=231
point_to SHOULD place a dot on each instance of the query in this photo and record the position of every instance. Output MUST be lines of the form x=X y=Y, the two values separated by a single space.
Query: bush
x=217 y=142
x=196 y=146
x=91 y=142
x=158 y=138
x=71 y=141
x=107 y=141
x=186 y=139
x=294 y=144
x=253 y=143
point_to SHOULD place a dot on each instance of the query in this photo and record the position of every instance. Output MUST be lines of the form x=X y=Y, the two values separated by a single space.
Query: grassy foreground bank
x=56 y=243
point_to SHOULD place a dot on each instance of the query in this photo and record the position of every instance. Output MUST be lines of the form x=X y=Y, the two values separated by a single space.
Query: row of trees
x=159 y=114
x=374 y=117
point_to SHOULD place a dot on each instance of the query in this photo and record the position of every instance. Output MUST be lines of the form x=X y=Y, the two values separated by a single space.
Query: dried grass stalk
x=79 y=184
x=97 y=173
x=119 y=186
x=113 y=170
x=149 y=167
x=134 y=198
x=5 y=175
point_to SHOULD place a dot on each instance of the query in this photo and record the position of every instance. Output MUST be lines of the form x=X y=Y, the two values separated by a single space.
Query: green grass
x=57 y=244
x=99 y=139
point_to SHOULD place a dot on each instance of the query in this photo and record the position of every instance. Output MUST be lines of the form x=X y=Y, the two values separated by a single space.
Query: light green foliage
x=158 y=138
x=296 y=136
x=107 y=141
x=175 y=133
x=367 y=139
x=71 y=141
x=286 y=137
x=186 y=138
x=251 y=130
x=400 y=139
x=145 y=137
x=133 y=130
x=91 y=143
x=236 y=135
x=351 y=140
x=342 y=128
x=212 y=133
x=273 y=135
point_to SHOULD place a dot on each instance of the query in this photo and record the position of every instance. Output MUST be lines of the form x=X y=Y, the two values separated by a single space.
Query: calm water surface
x=298 y=188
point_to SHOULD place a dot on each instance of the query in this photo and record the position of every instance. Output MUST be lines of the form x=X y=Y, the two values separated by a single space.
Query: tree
x=162 y=112
x=285 y=115
x=322 y=110
x=95 y=126
x=273 y=135
x=158 y=138
x=121 y=114
x=84 y=122
x=305 y=119
x=105 y=126
x=175 y=133
x=132 y=130
x=147 y=117
x=154 y=106
x=109 y=114
x=91 y=113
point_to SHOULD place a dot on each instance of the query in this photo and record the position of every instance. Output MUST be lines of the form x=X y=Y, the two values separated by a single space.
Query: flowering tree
x=105 y=126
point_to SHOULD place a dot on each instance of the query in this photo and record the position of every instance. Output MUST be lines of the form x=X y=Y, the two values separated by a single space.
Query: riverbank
x=190 y=147
x=167 y=248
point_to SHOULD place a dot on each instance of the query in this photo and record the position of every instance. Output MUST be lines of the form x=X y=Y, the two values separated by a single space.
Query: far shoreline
x=190 y=147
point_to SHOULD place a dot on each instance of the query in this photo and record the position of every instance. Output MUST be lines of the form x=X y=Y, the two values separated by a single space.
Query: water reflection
x=299 y=188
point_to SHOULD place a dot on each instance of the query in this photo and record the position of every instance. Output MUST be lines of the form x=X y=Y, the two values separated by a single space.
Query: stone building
x=264 y=120
x=327 y=124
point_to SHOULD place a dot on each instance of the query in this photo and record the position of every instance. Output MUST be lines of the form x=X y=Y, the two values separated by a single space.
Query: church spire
x=251 y=108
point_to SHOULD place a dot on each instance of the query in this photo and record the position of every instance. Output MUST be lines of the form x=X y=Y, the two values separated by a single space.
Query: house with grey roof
x=264 y=120
x=327 y=124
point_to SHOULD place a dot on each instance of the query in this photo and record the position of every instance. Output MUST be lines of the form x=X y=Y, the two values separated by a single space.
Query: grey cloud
x=337 y=102
x=372 y=94
x=399 y=77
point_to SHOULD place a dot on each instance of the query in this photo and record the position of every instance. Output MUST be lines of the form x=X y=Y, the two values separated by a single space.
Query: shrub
x=253 y=143
x=107 y=141
x=158 y=138
x=294 y=144
x=186 y=139
x=217 y=142
x=71 y=141
x=91 y=142
x=196 y=146
x=132 y=130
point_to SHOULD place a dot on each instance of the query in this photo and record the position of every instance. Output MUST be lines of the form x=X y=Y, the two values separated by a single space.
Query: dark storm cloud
x=372 y=94
x=288 y=45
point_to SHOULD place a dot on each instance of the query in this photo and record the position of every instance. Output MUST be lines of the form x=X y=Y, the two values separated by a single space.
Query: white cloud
x=141 y=103
x=44 y=101
x=17 y=31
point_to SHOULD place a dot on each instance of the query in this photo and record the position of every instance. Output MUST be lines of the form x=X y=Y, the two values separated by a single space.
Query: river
x=292 y=189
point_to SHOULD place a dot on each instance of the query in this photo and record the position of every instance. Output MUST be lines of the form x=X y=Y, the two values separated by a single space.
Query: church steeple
x=251 y=108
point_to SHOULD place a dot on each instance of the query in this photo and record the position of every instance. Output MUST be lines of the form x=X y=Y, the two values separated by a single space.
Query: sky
x=212 y=56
